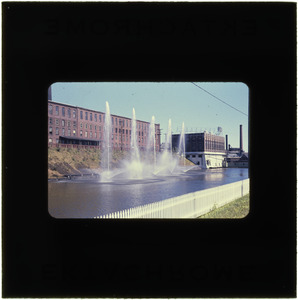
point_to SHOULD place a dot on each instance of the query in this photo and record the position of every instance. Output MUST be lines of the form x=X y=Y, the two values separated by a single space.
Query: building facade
x=203 y=149
x=238 y=161
x=78 y=126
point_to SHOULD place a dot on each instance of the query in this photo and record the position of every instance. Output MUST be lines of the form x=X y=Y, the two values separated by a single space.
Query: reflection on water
x=213 y=176
x=80 y=198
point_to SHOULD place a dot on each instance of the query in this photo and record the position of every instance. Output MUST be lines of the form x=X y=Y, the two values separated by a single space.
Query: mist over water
x=107 y=145
x=181 y=149
x=140 y=166
x=151 y=143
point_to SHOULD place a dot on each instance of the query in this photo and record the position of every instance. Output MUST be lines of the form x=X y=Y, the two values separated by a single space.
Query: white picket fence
x=189 y=205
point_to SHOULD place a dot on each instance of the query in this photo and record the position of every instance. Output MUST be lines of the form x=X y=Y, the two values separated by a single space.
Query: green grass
x=236 y=209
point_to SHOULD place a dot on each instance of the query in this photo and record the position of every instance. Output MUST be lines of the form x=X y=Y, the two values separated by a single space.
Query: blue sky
x=180 y=101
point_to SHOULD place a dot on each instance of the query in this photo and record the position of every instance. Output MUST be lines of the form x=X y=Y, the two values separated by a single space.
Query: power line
x=219 y=99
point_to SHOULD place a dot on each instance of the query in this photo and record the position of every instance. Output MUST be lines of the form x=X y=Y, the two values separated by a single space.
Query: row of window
x=100 y=117
x=214 y=145
x=114 y=145
x=90 y=127
x=57 y=111
x=73 y=133
x=193 y=155
x=73 y=113
x=127 y=123
x=57 y=122
x=91 y=134
x=74 y=123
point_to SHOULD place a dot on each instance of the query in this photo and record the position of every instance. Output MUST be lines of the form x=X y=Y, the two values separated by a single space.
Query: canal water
x=88 y=198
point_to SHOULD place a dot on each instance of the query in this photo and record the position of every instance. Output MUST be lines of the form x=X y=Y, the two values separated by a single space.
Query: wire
x=219 y=99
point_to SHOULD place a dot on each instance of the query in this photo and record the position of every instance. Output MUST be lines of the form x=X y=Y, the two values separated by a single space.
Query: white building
x=207 y=160
x=203 y=149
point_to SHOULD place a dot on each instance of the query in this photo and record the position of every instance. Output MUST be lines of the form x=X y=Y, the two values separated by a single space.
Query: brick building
x=73 y=126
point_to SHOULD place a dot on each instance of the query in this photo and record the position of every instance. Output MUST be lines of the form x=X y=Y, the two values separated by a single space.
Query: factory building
x=212 y=151
x=236 y=157
x=237 y=161
x=73 y=126
x=203 y=149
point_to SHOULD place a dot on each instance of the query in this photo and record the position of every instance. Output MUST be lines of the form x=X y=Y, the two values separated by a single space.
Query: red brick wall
x=92 y=128
x=62 y=120
x=76 y=125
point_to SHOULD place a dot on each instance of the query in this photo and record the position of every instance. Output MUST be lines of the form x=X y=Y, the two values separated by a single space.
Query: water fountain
x=181 y=149
x=168 y=145
x=149 y=165
x=107 y=146
x=167 y=163
x=135 y=154
x=134 y=167
x=151 y=147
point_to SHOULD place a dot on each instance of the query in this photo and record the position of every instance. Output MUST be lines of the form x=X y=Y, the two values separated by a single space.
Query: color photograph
x=154 y=150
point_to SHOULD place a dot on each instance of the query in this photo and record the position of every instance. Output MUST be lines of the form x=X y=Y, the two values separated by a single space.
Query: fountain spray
x=151 y=142
x=105 y=161
x=181 y=149
x=154 y=141
x=133 y=168
x=133 y=142
x=169 y=137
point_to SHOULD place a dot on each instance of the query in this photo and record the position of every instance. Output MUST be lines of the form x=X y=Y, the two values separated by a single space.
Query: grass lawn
x=237 y=209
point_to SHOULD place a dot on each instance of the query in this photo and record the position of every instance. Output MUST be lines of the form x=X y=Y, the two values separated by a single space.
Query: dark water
x=88 y=198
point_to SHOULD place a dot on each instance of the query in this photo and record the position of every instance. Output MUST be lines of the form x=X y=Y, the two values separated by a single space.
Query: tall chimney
x=241 y=140
x=227 y=145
